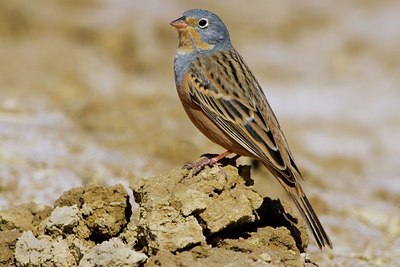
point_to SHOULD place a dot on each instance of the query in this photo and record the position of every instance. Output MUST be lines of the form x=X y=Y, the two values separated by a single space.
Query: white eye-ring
x=203 y=23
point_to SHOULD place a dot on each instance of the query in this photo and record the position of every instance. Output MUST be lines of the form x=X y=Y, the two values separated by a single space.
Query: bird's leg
x=205 y=161
x=217 y=158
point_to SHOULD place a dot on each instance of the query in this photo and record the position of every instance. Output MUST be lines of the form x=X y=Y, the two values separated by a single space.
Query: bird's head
x=201 y=30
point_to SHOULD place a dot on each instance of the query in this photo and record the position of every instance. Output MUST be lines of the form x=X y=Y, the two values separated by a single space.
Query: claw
x=206 y=160
x=199 y=165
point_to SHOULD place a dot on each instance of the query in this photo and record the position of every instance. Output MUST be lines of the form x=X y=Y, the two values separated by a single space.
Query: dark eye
x=203 y=23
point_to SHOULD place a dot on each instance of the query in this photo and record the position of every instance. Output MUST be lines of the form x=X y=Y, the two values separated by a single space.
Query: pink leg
x=219 y=157
x=198 y=166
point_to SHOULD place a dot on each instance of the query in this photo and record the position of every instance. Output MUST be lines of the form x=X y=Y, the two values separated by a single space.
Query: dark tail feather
x=311 y=218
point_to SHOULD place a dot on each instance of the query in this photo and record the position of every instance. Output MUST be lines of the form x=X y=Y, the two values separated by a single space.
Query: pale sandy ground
x=87 y=97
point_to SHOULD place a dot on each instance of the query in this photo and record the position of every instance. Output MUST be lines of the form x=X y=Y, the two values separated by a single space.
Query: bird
x=226 y=103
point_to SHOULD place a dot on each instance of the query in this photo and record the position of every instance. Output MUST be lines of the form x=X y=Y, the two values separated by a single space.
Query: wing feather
x=228 y=99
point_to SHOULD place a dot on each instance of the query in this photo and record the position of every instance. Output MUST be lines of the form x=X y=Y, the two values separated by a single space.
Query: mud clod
x=213 y=218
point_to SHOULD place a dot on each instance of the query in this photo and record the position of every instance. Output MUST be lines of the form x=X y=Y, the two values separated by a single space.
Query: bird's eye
x=203 y=23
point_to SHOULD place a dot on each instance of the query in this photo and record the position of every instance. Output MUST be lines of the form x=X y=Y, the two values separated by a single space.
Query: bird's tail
x=309 y=215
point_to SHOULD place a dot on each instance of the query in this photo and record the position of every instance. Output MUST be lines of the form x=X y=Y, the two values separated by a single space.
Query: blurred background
x=87 y=96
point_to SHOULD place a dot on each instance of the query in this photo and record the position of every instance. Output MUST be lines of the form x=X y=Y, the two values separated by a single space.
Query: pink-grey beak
x=179 y=23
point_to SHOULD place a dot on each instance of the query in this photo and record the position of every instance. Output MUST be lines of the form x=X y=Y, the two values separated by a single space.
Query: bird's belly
x=212 y=131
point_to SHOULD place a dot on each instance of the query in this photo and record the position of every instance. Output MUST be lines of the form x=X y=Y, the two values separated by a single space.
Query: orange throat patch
x=190 y=40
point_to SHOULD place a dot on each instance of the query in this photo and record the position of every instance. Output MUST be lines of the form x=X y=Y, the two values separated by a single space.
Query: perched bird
x=226 y=103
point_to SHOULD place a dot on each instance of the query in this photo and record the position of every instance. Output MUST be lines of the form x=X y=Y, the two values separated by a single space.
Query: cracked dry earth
x=214 y=218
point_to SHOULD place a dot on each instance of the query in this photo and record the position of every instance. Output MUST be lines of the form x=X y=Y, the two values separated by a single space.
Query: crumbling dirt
x=213 y=218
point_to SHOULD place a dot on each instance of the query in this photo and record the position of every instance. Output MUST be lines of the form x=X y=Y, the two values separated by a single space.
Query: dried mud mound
x=214 y=218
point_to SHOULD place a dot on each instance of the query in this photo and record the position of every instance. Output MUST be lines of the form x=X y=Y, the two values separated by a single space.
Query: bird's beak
x=179 y=23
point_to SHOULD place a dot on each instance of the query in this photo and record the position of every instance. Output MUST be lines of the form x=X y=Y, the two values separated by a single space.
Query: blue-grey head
x=201 y=30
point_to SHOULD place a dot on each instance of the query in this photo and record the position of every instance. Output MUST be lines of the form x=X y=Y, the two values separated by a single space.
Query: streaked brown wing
x=223 y=87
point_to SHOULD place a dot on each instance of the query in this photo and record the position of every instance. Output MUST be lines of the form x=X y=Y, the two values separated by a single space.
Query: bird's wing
x=224 y=88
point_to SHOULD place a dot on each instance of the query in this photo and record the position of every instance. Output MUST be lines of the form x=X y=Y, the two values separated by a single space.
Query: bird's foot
x=199 y=165
x=206 y=160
